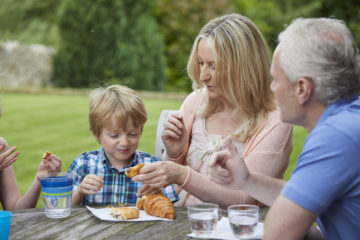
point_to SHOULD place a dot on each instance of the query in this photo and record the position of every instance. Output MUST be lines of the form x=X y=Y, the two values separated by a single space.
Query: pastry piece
x=124 y=213
x=133 y=171
x=157 y=205
x=46 y=154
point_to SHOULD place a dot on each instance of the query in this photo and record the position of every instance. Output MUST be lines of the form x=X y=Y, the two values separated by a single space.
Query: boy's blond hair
x=117 y=104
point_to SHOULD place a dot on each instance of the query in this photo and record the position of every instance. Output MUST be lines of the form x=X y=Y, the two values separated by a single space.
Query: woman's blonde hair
x=242 y=70
x=115 y=103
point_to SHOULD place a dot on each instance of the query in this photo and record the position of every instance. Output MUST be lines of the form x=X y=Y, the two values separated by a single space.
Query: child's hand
x=7 y=156
x=91 y=184
x=50 y=164
x=146 y=189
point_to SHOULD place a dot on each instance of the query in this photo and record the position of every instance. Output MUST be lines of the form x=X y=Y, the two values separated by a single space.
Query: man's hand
x=229 y=168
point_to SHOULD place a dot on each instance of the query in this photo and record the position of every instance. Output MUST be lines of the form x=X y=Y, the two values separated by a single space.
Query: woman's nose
x=205 y=73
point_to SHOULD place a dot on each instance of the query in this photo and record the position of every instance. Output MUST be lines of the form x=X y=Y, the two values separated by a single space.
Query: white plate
x=104 y=214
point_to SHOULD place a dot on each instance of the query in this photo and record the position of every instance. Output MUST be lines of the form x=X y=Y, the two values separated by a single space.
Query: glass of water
x=203 y=218
x=243 y=219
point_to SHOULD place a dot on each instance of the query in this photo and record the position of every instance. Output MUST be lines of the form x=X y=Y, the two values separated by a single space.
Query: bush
x=109 y=41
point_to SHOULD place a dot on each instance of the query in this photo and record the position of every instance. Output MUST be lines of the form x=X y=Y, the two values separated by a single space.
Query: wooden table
x=81 y=224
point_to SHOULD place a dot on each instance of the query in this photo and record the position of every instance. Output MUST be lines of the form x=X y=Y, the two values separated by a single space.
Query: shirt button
x=118 y=173
x=117 y=194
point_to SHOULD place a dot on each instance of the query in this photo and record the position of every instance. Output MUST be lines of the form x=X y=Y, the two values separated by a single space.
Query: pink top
x=266 y=152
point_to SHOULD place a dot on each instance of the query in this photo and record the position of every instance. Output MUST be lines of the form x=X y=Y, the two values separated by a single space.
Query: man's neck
x=313 y=114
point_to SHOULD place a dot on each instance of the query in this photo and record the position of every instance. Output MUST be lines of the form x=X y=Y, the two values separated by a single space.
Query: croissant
x=133 y=171
x=124 y=213
x=46 y=154
x=157 y=205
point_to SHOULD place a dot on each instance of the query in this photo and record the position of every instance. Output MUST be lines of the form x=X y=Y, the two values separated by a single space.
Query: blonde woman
x=229 y=65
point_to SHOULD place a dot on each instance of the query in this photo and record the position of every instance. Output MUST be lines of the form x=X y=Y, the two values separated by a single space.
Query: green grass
x=36 y=123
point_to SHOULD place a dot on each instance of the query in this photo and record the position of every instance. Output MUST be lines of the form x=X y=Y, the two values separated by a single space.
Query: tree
x=30 y=21
x=180 y=22
x=109 y=41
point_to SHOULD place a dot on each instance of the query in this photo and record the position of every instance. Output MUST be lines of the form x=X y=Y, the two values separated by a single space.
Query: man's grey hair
x=324 y=51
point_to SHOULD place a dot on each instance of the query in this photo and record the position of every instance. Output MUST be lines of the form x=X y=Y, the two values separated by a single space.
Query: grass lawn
x=36 y=123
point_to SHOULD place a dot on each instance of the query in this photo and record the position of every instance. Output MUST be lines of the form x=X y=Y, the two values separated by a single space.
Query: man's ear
x=304 y=90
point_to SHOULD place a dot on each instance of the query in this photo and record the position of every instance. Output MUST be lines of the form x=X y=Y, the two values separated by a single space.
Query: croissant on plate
x=124 y=213
x=157 y=205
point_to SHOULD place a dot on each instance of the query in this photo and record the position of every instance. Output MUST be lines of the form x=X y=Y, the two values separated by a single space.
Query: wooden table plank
x=81 y=224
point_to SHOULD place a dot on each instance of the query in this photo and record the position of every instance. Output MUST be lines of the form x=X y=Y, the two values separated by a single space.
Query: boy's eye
x=132 y=134
x=212 y=67
x=200 y=63
x=114 y=135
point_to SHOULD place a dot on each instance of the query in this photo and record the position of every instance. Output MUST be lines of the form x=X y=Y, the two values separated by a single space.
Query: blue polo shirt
x=326 y=179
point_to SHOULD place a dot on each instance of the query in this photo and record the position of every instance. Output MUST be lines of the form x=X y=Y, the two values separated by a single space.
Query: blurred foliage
x=30 y=21
x=180 y=22
x=105 y=42
x=101 y=33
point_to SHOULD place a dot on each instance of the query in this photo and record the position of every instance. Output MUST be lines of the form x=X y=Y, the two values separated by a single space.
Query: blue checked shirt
x=118 y=188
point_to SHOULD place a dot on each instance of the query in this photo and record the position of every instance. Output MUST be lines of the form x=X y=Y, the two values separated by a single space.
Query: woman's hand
x=51 y=164
x=146 y=189
x=7 y=156
x=162 y=174
x=174 y=135
x=229 y=168
x=91 y=184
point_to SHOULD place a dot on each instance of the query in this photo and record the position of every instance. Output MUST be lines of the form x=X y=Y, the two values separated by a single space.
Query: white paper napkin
x=223 y=231
x=104 y=214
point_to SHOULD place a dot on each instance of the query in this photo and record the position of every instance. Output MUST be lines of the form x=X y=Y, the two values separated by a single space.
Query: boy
x=116 y=117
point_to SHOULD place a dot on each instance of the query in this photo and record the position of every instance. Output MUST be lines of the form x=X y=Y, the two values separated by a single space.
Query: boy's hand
x=91 y=184
x=146 y=189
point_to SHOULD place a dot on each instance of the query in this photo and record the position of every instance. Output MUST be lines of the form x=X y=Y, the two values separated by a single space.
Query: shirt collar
x=335 y=108
x=106 y=161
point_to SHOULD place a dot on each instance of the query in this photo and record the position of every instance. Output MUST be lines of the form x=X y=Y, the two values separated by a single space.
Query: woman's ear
x=304 y=90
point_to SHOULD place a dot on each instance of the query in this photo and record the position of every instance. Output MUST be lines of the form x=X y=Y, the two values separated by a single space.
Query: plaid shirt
x=118 y=188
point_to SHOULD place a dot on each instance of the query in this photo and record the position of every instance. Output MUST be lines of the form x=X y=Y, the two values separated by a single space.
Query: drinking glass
x=57 y=192
x=243 y=219
x=203 y=218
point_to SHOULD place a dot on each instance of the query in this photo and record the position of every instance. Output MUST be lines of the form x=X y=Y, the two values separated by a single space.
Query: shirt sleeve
x=170 y=193
x=324 y=170
x=78 y=170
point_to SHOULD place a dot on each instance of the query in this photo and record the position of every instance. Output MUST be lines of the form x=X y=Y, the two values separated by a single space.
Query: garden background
x=143 y=44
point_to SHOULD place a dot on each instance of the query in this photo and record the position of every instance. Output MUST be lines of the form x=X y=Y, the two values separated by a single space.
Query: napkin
x=104 y=214
x=223 y=231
